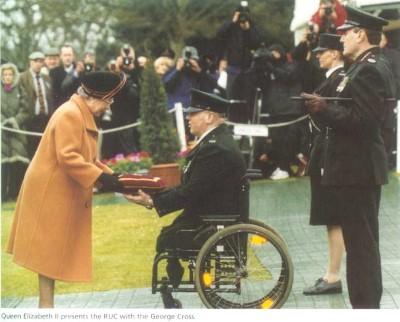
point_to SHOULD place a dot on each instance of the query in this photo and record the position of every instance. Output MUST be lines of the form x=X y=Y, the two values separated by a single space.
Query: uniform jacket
x=51 y=231
x=355 y=152
x=14 y=114
x=27 y=82
x=327 y=89
x=211 y=180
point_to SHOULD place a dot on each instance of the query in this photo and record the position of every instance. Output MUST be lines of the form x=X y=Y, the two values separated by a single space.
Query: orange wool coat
x=51 y=232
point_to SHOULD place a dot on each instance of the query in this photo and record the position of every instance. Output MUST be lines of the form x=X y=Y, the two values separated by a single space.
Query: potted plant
x=158 y=135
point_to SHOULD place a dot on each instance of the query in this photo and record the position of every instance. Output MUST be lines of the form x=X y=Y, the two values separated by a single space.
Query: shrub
x=158 y=135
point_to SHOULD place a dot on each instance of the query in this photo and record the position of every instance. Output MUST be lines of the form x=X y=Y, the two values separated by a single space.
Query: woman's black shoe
x=323 y=287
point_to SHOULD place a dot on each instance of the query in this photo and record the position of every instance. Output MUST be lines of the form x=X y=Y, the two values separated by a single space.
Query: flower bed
x=139 y=162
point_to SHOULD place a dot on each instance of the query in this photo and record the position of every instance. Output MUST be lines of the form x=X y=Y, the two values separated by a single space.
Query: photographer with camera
x=330 y=14
x=72 y=80
x=125 y=109
x=236 y=39
x=279 y=79
x=187 y=74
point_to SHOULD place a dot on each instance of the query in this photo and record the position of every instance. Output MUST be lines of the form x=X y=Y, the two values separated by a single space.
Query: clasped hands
x=110 y=183
x=141 y=198
x=314 y=103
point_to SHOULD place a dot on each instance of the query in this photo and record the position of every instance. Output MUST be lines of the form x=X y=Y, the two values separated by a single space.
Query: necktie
x=40 y=96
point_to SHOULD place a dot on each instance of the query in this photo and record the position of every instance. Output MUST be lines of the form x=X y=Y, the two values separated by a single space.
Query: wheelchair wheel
x=244 y=266
x=267 y=227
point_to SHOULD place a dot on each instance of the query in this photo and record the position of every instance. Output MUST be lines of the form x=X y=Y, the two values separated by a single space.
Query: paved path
x=284 y=205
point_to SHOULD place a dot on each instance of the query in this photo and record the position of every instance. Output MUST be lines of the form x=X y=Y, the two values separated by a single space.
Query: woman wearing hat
x=51 y=232
x=323 y=212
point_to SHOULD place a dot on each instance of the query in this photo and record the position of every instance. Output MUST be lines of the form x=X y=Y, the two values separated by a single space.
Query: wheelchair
x=233 y=262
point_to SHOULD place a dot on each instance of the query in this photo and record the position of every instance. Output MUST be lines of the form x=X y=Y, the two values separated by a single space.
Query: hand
x=194 y=65
x=245 y=25
x=80 y=67
x=141 y=198
x=263 y=157
x=314 y=103
x=180 y=64
x=110 y=183
x=11 y=122
x=235 y=18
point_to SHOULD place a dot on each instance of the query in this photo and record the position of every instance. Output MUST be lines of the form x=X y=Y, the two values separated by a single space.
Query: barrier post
x=398 y=139
x=99 y=145
x=180 y=125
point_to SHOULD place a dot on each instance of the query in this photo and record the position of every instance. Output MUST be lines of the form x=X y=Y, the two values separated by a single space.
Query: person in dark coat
x=283 y=80
x=389 y=128
x=15 y=114
x=187 y=74
x=65 y=78
x=37 y=87
x=236 y=39
x=211 y=179
x=355 y=160
x=329 y=53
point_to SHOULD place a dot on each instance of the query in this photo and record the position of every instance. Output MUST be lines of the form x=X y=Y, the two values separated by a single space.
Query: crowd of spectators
x=242 y=65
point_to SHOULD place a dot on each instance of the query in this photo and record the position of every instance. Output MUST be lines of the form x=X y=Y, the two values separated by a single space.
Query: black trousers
x=37 y=124
x=358 y=211
x=169 y=238
x=12 y=175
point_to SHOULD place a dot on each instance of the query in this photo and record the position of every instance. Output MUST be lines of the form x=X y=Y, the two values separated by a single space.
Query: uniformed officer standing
x=355 y=162
x=211 y=180
x=330 y=55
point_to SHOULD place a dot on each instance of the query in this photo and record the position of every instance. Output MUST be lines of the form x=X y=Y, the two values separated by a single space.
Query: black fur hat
x=103 y=85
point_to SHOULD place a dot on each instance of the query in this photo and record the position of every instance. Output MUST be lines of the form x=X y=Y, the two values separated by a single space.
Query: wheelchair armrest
x=215 y=219
x=200 y=238
x=252 y=174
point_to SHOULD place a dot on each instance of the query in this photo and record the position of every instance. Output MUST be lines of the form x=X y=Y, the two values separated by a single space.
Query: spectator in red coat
x=329 y=15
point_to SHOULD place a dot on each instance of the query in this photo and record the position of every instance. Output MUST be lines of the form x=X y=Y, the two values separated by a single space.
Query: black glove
x=110 y=183
x=314 y=103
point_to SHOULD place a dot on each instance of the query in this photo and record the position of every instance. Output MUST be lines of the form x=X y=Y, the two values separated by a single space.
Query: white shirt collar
x=205 y=134
x=69 y=69
x=332 y=70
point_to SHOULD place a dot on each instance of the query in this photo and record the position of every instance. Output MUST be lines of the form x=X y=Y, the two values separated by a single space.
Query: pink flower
x=134 y=157
x=119 y=157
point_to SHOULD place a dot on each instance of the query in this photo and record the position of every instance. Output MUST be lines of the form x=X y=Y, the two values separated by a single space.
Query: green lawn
x=124 y=238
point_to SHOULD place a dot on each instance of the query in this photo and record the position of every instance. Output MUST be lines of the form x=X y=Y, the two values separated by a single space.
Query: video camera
x=312 y=35
x=328 y=11
x=262 y=56
x=244 y=11
x=186 y=58
x=126 y=60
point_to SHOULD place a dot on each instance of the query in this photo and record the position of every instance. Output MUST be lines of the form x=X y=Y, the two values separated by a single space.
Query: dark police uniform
x=355 y=163
x=322 y=211
x=210 y=184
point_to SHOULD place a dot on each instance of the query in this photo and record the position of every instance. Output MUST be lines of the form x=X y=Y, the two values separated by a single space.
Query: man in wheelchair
x=211 y=178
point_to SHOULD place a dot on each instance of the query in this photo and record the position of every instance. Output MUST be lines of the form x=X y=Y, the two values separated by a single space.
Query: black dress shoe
x=168 y=301
x=323 y=287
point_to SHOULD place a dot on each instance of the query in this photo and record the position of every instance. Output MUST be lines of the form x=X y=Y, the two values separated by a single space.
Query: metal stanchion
x=398 y=138
x=180 y=125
